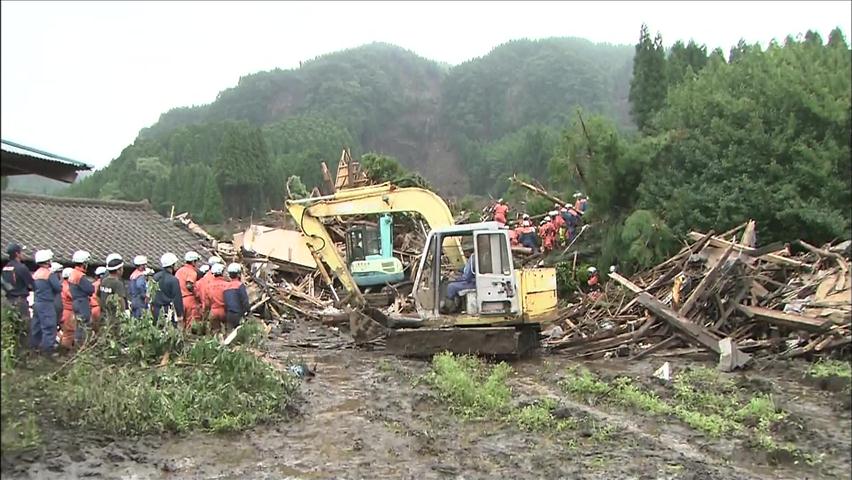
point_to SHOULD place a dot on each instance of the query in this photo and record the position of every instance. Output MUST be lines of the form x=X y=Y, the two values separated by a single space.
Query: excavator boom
x=377 y=199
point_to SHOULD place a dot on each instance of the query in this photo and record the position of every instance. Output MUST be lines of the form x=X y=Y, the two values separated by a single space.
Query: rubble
x=723 y=295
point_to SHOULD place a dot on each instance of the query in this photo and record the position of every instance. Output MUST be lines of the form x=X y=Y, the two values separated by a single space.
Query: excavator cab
x=369 y=252
x=491 y=297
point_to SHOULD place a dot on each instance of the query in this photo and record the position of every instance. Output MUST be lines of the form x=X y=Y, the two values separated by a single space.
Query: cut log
x=787 y=320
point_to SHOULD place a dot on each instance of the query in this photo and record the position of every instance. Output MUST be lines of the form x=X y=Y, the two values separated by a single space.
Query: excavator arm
x=385 y=198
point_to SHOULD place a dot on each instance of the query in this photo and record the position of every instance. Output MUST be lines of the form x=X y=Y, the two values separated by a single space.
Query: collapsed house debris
x=723 y=295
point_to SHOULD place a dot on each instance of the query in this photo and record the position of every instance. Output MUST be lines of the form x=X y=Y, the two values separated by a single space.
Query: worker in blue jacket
x=236 y=297
x=46 y=287
x=81 y=292
x=17 y=281
x=137 y=288
x=168 y=294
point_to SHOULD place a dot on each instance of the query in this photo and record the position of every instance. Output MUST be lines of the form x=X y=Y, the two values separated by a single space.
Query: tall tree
x=648 y=86
x=213 y=204
x=241 y=168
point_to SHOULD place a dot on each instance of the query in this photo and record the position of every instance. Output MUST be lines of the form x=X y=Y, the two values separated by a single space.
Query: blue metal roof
x=19 y=149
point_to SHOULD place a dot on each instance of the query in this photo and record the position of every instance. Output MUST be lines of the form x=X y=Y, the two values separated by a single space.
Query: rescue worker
x=593 y=282
x=580 y=203
x=236 y=297
x=513 y=236
x=548 y=234
x=94 y=304
x=558 y=225
x=56 y=270
x=200 y=285
x=187 y=276
x=528 y=237
x=66 y=334
x=112 y=294
x=214 y=293
x=466 y=281
x=81 y=291
x=138 y=287
x=501 y=212
x=571 y=218
x=17 y=281
x=45 y=288
x=168 y=295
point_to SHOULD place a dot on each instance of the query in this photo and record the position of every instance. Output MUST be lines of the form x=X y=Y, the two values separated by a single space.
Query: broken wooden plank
x=787 y=320
x=695 y=332
x=705 y=282
x=718 y=242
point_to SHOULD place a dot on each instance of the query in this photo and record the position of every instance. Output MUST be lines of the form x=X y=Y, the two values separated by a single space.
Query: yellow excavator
x=503 y=307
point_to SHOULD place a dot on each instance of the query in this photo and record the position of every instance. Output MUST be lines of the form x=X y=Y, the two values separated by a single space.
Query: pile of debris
x=722 y=295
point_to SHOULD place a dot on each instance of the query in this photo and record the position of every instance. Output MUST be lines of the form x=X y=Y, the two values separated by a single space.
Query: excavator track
x=513 y=342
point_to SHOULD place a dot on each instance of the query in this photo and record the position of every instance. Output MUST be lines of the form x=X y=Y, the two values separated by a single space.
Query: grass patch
x=18 y=426
x=475 y=390
x=700 y=398
x=830 y=368
x=137 y=378
x=471 y=389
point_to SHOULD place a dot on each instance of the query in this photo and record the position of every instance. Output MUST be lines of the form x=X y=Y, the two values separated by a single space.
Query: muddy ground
x=365 y=415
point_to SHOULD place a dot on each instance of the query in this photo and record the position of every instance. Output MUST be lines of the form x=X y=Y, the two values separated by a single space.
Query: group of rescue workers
x=66 y=303
x=558 y=226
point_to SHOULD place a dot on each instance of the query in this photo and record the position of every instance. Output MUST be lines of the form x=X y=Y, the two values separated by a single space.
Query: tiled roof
x=101 y=227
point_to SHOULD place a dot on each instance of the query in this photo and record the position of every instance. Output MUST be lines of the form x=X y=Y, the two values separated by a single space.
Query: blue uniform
x=19 y=280
x=236 y=302
x=137 y=290
x=81 y=292
x=168 y=294
x=467 y=280
x=46 y=287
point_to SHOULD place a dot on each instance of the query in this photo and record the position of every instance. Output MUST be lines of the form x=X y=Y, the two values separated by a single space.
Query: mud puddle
x=365 y=415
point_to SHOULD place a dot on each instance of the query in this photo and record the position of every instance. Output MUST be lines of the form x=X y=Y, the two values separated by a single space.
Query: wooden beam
x=705 y=282
x=718 y=242
x=788 y=320
x=695 y=332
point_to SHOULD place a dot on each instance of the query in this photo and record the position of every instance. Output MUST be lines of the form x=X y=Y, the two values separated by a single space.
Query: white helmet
x=217 y=268
x=43 y=256
x=234 y=268
x=55 y=267
x=140 y=260
x=168 y=260
x=81 y=256
x=114 y=261
x=191 y=256
x=215 y=259
x=204 y=268
x=500 y=200
x=592 y=269
x=578 y=195
x=547 y=218
x=612 y=269
x=66 y=272
x=100 y=271
x=526 y=216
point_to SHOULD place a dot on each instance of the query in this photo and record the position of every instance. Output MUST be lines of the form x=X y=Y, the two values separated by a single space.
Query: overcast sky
x=80 y=79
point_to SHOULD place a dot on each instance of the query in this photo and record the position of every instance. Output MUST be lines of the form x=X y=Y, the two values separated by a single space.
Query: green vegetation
x=475 y=390
x=698 y=397
x=824 y=368
x=762 y=134
x=137 y=379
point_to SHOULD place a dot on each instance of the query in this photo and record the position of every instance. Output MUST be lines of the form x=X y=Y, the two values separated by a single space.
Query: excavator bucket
x=367 y=324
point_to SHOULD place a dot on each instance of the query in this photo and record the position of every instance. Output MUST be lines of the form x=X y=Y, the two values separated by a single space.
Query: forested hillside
x=671 y=139
x=479 y=120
